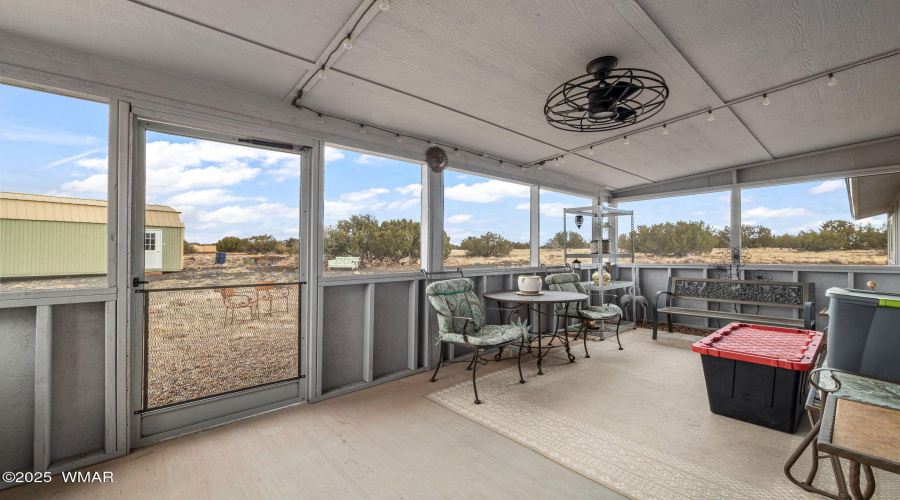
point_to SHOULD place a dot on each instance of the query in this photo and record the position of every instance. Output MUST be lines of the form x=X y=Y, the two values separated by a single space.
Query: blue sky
x=58 y=146
x=784 y=209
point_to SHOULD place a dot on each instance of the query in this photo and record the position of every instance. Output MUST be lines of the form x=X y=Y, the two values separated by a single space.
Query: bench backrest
x=753 y=292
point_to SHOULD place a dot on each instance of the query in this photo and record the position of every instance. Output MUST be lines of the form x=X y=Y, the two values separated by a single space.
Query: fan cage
x=567 y=107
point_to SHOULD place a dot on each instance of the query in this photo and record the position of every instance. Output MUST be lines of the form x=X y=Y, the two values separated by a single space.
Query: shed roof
x=872 y=195
x=58 y=208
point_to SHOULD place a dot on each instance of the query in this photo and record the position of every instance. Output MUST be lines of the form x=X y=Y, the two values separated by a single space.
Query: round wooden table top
x=545 y=297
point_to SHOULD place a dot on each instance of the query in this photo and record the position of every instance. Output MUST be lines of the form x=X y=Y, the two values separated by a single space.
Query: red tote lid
x=766 y=345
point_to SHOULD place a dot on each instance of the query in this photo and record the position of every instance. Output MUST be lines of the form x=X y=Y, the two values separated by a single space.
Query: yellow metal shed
x=57 y=236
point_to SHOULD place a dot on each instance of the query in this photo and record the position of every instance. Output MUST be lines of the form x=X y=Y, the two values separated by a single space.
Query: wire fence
x=205 y=341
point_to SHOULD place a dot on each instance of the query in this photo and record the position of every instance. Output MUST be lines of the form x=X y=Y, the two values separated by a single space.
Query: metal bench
x=344 y=263
x=784 y=294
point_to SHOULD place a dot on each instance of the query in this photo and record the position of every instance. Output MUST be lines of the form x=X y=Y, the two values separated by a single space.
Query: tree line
x=400 y=239
x=686 y=237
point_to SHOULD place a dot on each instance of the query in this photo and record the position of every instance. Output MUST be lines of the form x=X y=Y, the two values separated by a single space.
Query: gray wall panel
x=77 y=408
x=391 y=346
x=823 y=281
x=342 y=335
x=17 y=388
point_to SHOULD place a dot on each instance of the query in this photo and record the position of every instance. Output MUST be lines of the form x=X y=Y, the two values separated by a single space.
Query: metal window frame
x=152 y=426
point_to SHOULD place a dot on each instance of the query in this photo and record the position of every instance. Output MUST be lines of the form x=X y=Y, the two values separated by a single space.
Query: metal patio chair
x=583 y=311
x=234 y=300
x=461 y=322
x=267 y=291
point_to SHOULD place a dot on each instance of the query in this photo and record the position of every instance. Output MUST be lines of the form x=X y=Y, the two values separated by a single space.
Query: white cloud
x=294 y=231
x=75 y=157
x=332 y=154
x=255 y=213
x=94 y=163
x=458 y=219
x=207 y=197
x=828 y=187
x=486 y=192
x=96 y=183
x=175 y=167
x=875 y=221
x=29 y=134
x=412 y=189
x=699 y=212
x=806 y=227
x=769 y=213
x=354 y=203
x=726 y=197
x=365 y=159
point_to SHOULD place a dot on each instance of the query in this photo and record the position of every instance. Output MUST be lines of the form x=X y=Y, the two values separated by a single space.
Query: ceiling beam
x=355 y=24
x=866 y=158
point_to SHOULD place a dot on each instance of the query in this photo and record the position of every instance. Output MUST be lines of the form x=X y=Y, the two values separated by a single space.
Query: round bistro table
x=533 y=303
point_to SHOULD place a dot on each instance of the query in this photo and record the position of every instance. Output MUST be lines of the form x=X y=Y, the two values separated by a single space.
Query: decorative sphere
x=871 y=285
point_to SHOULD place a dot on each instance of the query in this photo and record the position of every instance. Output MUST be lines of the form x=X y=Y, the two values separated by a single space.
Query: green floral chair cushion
x=567 y=282
x=489 y=335
x=600 y=312
x=456 y=298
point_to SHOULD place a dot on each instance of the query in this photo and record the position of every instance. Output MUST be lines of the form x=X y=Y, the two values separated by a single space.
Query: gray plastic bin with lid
x=864 y=332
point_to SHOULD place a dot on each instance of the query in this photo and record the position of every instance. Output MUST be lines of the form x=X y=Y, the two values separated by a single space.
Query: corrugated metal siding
x=56 y=208
x=51 y=248
x=173 y=248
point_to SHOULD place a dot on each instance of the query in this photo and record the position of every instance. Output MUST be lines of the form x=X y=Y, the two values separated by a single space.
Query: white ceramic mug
x=530 y=284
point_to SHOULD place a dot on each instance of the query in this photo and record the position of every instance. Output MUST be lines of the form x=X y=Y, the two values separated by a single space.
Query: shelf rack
x=605 y=222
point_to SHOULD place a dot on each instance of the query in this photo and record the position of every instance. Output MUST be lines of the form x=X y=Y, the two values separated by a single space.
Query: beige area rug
x=638 y=422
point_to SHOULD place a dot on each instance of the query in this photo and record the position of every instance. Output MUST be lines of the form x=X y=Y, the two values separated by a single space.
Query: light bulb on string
x=556 y=162
x=832 y=81
x=562 y=159
x=456 y=152
x=625 y=142
x=319 y=118
x=322 y=74
x=399 y=139
x=709 y=116
x=665 y=130
x=385 y=5
x=765 y=100
x=362 y=129
x=591 y=151
x=348 y=43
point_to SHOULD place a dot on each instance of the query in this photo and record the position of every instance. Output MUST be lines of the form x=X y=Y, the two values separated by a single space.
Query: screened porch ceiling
x=475 y=74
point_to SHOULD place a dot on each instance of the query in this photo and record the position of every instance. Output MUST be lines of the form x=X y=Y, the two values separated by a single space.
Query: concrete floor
x=388 y=441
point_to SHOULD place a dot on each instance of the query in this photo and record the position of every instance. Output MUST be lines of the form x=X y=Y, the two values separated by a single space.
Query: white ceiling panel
x=373 y=105
x=746 y=47
x=864 y=105
x=129 y=32
x=300 y=28
x=693 y=145
x=500 y=60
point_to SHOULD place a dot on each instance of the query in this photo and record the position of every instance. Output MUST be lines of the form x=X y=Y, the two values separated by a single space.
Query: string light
x=556 y=162
x=591 y=151
x=319 y=118
x=709 y=116
x=348 y=43
x=765 y=100
x=562 y=159
x=322 y=74
x=665 y=130
x=625 y=142
x=385 y=5
x=362 y=129
x=456 y=152
x=399 y=139
x=502 y=165
x=832 y=81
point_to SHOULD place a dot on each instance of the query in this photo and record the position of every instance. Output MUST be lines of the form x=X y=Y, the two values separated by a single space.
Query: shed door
x=153 y=249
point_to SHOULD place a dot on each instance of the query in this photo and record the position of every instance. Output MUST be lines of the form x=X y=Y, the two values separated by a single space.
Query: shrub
x=189 y=247
x=487 y=245
x=573 y=240
x=232 y=244
x=265 y=244
x=678 y=238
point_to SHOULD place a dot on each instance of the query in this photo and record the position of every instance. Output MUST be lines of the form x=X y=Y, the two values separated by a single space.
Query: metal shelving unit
x=605 y=222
